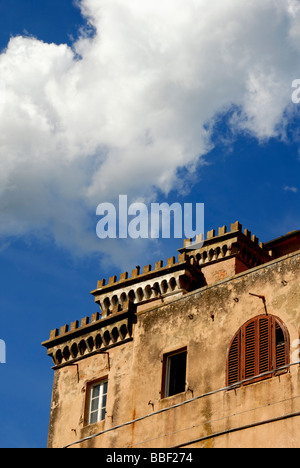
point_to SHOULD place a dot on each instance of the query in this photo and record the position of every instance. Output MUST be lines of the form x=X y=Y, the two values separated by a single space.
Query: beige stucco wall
x=204 y=321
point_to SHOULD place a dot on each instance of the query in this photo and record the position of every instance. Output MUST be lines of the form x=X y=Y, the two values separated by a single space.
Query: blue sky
x=140 y=100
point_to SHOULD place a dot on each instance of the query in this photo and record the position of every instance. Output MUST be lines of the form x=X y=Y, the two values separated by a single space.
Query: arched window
x=260 y=345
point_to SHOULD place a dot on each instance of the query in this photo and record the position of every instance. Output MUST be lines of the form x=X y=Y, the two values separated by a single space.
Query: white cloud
x=290 y=189
x=122 y=119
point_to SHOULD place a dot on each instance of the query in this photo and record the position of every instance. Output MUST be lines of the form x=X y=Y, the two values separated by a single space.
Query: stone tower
x=162 y=364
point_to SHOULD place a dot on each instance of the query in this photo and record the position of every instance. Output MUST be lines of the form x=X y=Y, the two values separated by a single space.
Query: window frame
x=165 y=390
x=100 y=407
x=254 y=350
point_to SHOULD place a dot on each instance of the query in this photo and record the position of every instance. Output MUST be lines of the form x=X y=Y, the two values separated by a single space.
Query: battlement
x=182 y=257
x=137 y=272
x=87 y=337
x=158 y=284
x=212 y=237
x=225 y=243
x=199 y=263
x=147 y=285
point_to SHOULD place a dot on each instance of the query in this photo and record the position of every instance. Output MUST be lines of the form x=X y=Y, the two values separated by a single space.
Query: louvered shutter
x=233 y=375
x=265 y=334
x=260 y=346
x=249 y=346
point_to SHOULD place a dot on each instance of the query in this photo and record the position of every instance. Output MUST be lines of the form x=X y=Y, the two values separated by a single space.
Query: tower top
x=201 y=263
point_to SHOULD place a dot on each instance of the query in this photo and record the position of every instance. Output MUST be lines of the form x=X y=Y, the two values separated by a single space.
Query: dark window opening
x=174 y=373
x=279 y=337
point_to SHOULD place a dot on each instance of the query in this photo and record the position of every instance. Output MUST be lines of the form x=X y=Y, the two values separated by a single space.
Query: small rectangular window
x=97 y=402
x=174 y=373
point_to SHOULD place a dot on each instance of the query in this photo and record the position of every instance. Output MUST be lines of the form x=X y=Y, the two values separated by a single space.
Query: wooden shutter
x=233 y=367
x=265 y=334
x=249 y=348
x=260 y=346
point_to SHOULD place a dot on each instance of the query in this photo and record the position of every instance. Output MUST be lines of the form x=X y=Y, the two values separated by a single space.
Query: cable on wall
x=230 y=387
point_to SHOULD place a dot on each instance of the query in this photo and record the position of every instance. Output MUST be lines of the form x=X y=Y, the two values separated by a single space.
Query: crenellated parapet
x=205 y=261
x=148 y=285
x=90 y=336
x=225 y=244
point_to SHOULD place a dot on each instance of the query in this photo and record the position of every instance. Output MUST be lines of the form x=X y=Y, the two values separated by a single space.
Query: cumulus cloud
x=121 y=111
